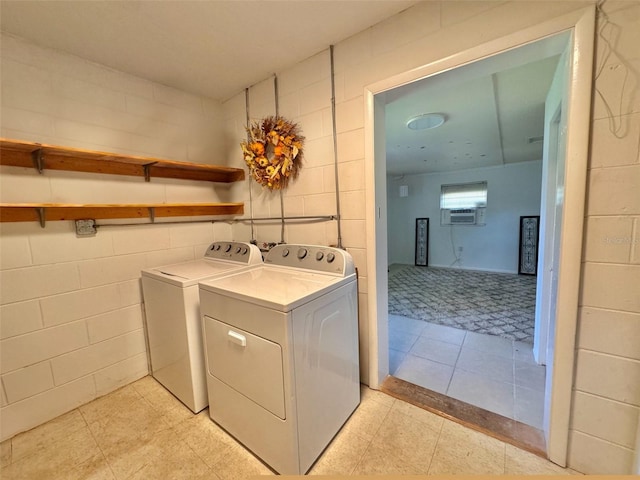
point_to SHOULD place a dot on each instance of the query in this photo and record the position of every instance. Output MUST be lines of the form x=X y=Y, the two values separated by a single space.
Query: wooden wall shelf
x=18 y=153
x=42 y=212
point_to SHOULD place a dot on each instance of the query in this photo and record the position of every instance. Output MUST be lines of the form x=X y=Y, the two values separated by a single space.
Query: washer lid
x=190 y=273
x=275 y=287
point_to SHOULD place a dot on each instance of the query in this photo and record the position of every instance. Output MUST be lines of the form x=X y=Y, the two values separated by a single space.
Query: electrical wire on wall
x=335 y=144
x=275 y=92
x=246 y=103
x=457 y=257
x=609 y=34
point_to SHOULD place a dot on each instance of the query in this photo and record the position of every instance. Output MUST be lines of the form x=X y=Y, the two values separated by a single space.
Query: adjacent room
x=465 y=154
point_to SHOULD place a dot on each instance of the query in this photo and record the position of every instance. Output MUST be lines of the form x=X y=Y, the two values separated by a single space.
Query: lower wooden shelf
x=42 y=212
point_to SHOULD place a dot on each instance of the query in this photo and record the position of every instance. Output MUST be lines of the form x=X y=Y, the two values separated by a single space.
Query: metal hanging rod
x=273 y=219
x=316 y=218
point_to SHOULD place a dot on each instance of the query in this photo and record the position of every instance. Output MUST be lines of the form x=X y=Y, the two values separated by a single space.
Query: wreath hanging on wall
x=274 y=152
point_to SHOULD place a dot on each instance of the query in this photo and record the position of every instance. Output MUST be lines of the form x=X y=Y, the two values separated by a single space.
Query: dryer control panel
x=236 y=251
x=312 y=257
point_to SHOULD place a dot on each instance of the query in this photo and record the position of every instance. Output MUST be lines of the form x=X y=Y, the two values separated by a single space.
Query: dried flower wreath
x=274 y=152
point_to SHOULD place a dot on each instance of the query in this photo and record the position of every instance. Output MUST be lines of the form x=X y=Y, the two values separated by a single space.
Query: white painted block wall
x=609 y=324
x=611 y=274
x=71 y=317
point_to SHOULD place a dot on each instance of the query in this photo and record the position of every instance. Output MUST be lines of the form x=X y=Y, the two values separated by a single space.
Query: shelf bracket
x=152 y=214
x=37 y=157
x=147 y=171
x=41 y=217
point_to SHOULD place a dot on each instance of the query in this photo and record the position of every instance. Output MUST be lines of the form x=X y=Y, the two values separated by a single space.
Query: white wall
x=608 y=360
x=71 y=323
x=512 y=191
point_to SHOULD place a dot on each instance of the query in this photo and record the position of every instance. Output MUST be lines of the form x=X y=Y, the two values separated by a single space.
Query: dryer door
x=249 y=364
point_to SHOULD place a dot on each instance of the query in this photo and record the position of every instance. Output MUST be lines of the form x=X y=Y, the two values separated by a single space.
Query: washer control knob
x=228 y=249
x=302 y=253
x=217 y=247
x=285 y=252
x=319 y=256
x=238 y=250
x=244 y=250
x=330 y=257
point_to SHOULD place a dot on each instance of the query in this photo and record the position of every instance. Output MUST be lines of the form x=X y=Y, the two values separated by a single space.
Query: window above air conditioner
x=463 y=204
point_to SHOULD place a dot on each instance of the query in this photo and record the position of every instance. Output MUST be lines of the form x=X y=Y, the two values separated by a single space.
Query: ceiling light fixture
x=426 y=121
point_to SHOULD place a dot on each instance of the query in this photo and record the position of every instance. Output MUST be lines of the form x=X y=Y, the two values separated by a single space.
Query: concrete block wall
x=71 y=313
x=606 y=397
x=606 y=400
x=304 y=97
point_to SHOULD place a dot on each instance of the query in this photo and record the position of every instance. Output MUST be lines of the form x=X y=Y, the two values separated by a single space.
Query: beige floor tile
x=402 y=436
x=129 y=457
x=368 y=417
x=32 y=441
x=210 y=442
x=96 y=468
x=240 y=464
x=461 y=450
x=177 y=461
x=169 y=408
x=342 y=455
x=433 y=421
x=55 y=459
x=367 y=394
x=113 y=403
x=5 y=453
x=148 y=386
x=520 y=462
x=124 y=429
x=377 y=461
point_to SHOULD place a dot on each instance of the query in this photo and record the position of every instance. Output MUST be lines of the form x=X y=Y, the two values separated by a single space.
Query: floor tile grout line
x=455 y=366
x=386 y=415
x=104 y=456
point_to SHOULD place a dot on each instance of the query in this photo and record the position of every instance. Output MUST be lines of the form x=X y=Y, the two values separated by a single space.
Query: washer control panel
x=312 y=257
x=237 y=251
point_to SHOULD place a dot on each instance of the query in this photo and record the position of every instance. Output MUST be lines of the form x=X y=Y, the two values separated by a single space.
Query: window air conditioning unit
x=458 y=216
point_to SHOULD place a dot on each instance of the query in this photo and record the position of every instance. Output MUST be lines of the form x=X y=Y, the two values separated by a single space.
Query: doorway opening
x=556 y=345
x=462 y=290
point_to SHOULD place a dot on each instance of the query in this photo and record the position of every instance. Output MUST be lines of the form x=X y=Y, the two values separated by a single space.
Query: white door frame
x=560 y=367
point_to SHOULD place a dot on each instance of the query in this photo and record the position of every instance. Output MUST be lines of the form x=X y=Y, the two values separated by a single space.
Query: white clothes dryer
x=172 y=309
x=281 y=352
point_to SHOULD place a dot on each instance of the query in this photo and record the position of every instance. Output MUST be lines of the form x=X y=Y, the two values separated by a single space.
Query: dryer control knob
x=285 y=252
x=238 y=250
x=330 y=257
x=228 y=248
x=319 y=256
x=302 y=253
x=244 y=250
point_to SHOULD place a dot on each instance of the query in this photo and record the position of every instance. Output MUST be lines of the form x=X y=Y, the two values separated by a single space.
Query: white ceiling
x=217 y=48
x=214 y=48
x=494 y=110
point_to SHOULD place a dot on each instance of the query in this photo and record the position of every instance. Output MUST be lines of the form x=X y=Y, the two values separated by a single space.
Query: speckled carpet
x=498 y=304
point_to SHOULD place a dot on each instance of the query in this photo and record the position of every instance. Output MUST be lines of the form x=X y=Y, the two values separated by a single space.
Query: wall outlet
x=86 y=228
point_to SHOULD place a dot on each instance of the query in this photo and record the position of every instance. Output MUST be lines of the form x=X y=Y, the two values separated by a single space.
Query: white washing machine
x=172 y=310
x=281 y=351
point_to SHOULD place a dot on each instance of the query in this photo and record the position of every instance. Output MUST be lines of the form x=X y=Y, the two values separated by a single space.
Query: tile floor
x=490 y=372
x=142 y=432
